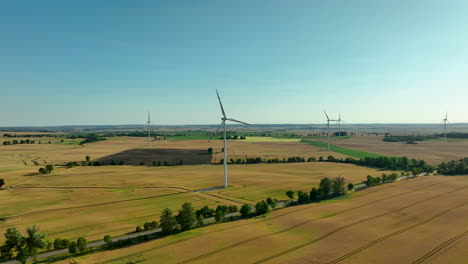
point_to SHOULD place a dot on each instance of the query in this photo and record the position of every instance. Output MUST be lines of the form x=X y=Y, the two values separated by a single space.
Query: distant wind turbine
x=148 y=123
x=445 y=127
x=223 y=124
x=328 y=127
x=339 y=124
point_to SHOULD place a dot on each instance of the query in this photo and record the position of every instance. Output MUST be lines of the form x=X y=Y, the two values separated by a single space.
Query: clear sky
x=108 y=62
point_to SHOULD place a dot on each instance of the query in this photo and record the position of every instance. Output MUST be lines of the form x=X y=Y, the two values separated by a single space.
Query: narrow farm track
x=281 y=215
x=240 y=243
x=352 y=253
x=440 y=247
x=353 y=224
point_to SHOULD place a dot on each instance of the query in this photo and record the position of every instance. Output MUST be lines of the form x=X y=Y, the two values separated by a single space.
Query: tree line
x=92 y=137
x=454 y=167
x=14 y=142
x=328 y=188
x=454 y=135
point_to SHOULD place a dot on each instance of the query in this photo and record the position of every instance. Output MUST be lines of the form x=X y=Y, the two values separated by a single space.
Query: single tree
x=271 y=202
x=245 y=210
x=220 y=215
x=81 y=244
x=32 y=243
x=107 y=239
x=58 y=243
x=338 y=185
x=49 y=168
x=88 y=158
x=290 y=194
x=168 y=221
x=14 y=241
x=72 y=247
x=210 y=151
x=302 y=197
x=186 y=217
x=2 y=182
x=262 y=207
x=200 y=220
x=325 y=186
x=314 y=195
x=350 y=187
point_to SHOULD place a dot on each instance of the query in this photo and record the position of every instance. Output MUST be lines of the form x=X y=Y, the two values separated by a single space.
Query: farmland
x=90 y=201
x=422 y=219
x=93 y=201
x=434 y=152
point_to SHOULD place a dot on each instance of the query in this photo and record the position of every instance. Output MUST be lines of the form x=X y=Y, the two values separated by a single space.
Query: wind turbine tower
x=445 y=127
x=328 y=127
x=223 y=124
x=148 y=123
x=339 y=124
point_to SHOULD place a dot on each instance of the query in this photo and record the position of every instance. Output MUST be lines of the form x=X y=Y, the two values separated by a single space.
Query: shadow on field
x=158 y=157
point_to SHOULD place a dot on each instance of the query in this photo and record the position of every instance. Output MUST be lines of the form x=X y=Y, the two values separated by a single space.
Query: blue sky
x=108 y=62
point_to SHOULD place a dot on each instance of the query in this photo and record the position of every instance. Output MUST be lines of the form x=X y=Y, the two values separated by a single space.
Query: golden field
x=413 y=221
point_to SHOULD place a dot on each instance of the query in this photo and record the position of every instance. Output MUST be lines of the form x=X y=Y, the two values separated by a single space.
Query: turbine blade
x=220 y=104
x=149 y=119
x=234 y=120
x=219 y=127
x=326 y=114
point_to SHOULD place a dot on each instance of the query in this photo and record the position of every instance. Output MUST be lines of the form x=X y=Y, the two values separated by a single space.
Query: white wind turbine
x=223 y=123
x=148 y=123
x=339 y=124
x=328 y=127
x=445 y=127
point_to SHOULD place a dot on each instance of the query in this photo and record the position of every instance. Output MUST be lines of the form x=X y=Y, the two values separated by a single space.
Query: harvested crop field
x=421 y=220
x=16 y=157
x=434 y=152
x=93 y=201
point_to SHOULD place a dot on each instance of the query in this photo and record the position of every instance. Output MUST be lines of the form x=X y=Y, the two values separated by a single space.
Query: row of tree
x=454 y=135
x=7 y=135
x=14 y=142
x=274 y=160
x=328 y=188
x=454 y=167
x=79 y=245
x=47 y=169
x=389 y=163
x=92 y=137
x=372 y=181
x=23 y=247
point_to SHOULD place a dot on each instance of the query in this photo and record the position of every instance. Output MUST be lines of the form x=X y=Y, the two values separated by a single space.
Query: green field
x=345 y=151
x=271 y=139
